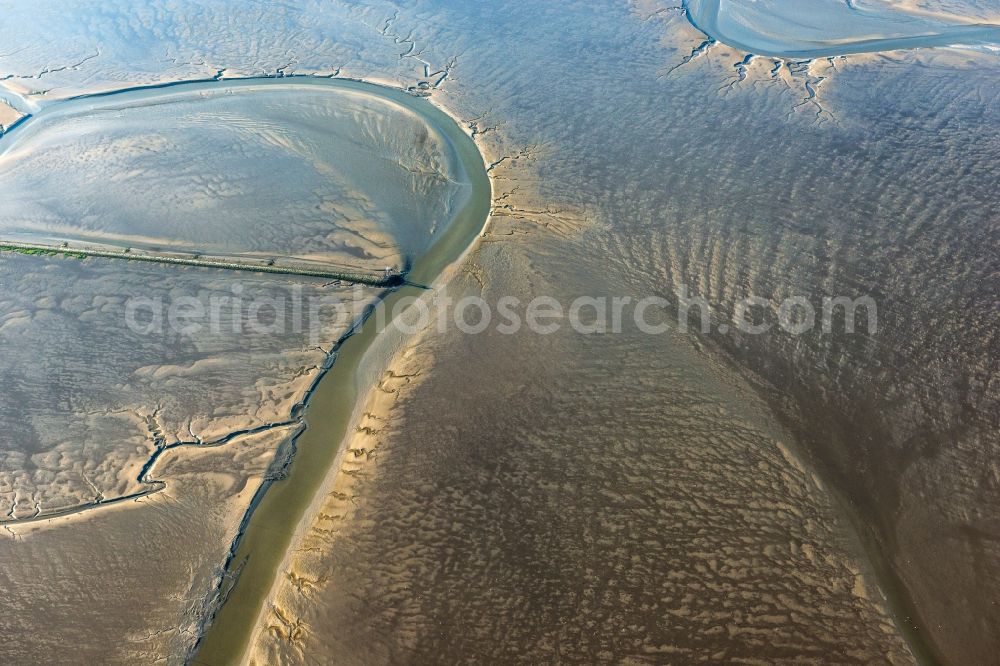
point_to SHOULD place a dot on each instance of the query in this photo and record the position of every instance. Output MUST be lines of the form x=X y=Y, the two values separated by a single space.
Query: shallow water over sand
x=247 y=168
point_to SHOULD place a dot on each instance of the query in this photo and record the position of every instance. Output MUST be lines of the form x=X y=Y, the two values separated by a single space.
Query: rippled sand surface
x=629 y=500
x=632 y=498
x=733 y=176
x=87 y=400
x=132 y=584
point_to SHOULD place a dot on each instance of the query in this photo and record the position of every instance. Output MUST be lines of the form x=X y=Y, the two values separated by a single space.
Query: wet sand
x=151 y=399
x=505 y=515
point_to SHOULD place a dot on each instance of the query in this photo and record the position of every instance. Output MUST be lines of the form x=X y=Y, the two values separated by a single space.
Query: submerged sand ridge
x=781 y=28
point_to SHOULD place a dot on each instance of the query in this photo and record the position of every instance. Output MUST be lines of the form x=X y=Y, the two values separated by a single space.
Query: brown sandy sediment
x=176 y=461
x=360 y=362
x=301 y=575
x=359 y=550
x=146 y=563
x=94 y=290
x=162 y=399
x=385 y=369
x=697 y=197
x=155 y=404
x=416 y=532
x=146 y=479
